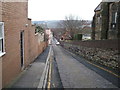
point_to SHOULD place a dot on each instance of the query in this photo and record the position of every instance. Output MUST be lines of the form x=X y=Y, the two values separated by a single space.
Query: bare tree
x=72 y=24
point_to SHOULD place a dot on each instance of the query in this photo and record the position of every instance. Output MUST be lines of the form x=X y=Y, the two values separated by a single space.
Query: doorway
x=22 y=48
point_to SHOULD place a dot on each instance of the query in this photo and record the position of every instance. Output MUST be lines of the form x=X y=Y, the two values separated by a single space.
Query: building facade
x=19 y=45
x=105 y=24
x=114 y=20
x=50 y=35
x=0 y=57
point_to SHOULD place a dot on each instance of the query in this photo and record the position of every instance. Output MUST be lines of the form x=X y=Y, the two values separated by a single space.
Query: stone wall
x=101 y=20
x=105 y=56
x=113 y=23
x=106 y=21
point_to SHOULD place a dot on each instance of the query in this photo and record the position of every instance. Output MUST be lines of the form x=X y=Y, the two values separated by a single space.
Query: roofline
x=29 y=19
x=97 y=7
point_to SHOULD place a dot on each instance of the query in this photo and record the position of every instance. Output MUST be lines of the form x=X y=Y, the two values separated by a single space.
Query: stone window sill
x=2 y=53
x=36 y=34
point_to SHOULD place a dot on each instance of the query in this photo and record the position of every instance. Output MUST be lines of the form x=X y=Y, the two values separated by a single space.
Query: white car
x=57 y=43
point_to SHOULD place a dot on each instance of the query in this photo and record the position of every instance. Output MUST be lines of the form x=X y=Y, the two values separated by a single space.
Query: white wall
x=40 y=38
x=48 y=32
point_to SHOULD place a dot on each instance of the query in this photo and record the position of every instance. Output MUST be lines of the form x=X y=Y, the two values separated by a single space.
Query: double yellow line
x=99 y=67
x=50 y=73
x=104 y=69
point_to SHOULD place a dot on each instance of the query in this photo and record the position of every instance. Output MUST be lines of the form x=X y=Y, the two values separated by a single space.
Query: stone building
x=105 y=24
x=114 y=20
x=19 y=45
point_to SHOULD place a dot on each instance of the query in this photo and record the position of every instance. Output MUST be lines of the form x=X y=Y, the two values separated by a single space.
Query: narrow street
x=66 y=71
x=74 y=74
x=64 y=44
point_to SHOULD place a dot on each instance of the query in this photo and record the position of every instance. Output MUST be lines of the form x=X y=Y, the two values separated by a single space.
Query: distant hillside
x=55 y=23
x=49 y=24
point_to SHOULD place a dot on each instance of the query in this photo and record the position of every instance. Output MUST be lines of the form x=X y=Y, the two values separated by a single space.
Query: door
x=22 y=47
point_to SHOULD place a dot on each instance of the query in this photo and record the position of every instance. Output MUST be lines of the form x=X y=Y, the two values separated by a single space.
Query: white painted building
x=50 y=35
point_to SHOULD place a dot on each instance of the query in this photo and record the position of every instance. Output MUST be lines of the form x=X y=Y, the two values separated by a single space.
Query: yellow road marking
x=48 y=86
x=100 y=67
x=53 y=85
x=104 y=69
x=49 y=77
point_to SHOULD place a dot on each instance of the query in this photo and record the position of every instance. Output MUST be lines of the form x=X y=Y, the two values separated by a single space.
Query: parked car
x=57 y=43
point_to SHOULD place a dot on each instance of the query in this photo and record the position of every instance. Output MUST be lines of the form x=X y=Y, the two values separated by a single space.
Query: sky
x=39 y=10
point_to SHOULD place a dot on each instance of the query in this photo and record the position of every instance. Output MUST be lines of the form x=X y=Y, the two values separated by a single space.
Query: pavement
x=32 y=75
x=74 y=74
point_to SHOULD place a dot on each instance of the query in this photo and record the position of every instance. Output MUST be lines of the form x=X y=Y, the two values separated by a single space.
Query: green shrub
x=77 y=36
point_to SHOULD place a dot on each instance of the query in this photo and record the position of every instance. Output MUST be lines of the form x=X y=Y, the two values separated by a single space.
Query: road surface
x=74 y=74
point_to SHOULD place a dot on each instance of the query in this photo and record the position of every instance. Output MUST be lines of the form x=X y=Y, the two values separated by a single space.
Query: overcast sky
x=58 y=9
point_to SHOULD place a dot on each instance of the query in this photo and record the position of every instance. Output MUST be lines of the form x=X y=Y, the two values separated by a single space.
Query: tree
x=72 y=24
x=39 y=29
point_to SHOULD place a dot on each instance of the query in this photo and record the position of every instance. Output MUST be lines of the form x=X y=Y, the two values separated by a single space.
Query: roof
x=14 y=0
x=98 y=8
x=110 y=0
x=86 y=30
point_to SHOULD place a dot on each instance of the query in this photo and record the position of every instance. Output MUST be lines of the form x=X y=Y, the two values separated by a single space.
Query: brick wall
x=0 y=57
x=41 y=43
x=33 y=44
x=0 y=11
x=14 y=16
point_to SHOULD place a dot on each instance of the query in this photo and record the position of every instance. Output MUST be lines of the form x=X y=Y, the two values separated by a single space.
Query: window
x=114 y=17
x=1 y=38
x=114 y=20
x=99 y=19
